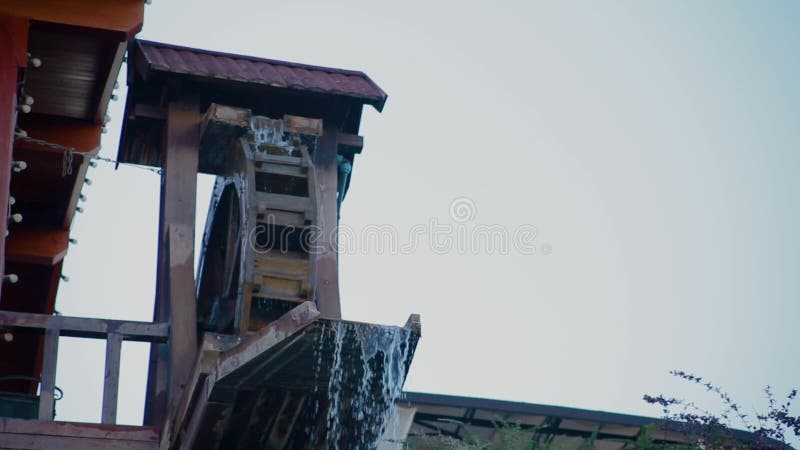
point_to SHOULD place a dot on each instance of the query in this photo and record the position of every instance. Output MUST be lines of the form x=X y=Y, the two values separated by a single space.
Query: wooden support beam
x=48 y=378
x=10 y=34
x=183 y=307
x=84 y=327
x=111 y=380
x=350 y=143
x=327 y=271
x=46 y=247
x=175 y=287
x=48 y=435
x=219 y=129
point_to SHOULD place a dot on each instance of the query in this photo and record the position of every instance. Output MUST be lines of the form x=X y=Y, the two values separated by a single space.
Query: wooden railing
x=112 y=331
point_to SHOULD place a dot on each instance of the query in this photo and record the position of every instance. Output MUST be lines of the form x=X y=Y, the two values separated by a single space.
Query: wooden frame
x=113 y=331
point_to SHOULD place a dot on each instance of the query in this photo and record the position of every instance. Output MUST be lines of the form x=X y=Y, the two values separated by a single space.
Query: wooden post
x=175 y=287
x=8 y=116
x=111 y=382
x=46 y=399
x=327 y=255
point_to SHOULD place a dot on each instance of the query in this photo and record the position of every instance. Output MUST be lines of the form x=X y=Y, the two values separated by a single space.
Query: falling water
x=368 y=365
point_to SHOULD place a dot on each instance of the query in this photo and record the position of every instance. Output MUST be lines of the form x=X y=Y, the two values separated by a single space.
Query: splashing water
x=367 y=369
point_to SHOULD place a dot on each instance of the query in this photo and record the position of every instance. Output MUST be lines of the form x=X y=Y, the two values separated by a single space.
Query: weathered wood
x=297 y=318
x=327 y=274
x=352 y=143
x=148 y=112
x=282 y=169
x=220 y=127
x=49 y=435
x=175 y=284
x=108 y=86
x=279 y=159
x=48 y=378
x=286 y=417
x=87 y=328
x=302 y=125
x=111 y=380
x=212 y=346
x=267 y=201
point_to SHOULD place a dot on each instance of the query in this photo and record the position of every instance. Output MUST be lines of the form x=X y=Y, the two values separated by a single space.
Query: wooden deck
x=274 y=389
x=47 y=435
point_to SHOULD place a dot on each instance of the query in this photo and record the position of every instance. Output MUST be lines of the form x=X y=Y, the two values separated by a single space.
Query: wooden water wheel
x=258 y=260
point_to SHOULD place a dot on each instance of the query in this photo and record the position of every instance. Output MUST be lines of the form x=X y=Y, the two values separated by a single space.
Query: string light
x=73 y=241
x=19 y=166
x=65 y=278
x=79 y=209
x=17 y=218
x=35 y=62
x=8 y=336
x=11 y=278
x=87 y=181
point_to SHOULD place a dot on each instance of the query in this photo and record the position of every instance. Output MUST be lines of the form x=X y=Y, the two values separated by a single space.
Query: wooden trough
x=302 y=382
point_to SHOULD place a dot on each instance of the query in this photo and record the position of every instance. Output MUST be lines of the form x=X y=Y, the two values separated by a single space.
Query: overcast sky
x=653 y=146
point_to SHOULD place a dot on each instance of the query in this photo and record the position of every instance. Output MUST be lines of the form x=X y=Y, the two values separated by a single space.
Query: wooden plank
x=302 y=125
x=111 y=380
x=77 y=430
x=286 y=417
x=45 y=247
x=8 y=107
x=39 y=442
x=111 y=80
x=352 y=143
x=48 y=378
x=148 y=112
x=183 y=305
x=86 y=327
x=327 y=273
x=282 y=264
x=278 y=159
x=274 y=287
x=267 y=201
x=275 y=217
x=294 y=320
x=178 y=208
x=178 y=201
x=220 y=127
x=282 y=169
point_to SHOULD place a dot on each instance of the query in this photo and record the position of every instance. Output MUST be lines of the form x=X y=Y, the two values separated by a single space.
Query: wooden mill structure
x=250 y=352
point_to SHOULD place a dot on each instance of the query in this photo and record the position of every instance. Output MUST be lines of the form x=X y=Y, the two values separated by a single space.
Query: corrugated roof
x=249 y=69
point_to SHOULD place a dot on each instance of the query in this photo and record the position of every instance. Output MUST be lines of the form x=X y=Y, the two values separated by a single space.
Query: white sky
x=652 y=144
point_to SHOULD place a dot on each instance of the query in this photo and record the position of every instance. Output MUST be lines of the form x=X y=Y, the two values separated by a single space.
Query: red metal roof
x=249 y=69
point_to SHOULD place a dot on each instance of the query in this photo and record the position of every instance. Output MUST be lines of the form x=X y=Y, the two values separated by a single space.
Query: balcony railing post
x=48 y=383
x=111 y=383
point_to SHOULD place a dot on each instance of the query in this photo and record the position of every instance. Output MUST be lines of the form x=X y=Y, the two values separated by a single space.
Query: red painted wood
x=8 y=100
